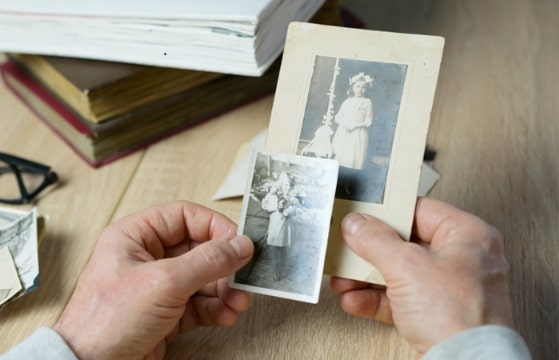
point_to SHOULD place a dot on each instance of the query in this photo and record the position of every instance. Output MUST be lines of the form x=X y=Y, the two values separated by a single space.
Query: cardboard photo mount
x=403 y=70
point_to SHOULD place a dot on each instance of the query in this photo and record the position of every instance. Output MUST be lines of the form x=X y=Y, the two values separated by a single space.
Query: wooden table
x=495 y=126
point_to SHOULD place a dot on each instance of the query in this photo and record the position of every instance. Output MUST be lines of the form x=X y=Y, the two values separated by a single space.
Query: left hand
x=152 y=276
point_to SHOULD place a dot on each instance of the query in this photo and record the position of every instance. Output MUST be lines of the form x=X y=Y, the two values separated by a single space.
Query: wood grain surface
x=495 y=127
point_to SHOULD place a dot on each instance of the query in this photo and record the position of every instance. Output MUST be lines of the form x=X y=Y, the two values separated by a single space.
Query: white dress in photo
x=351 y=138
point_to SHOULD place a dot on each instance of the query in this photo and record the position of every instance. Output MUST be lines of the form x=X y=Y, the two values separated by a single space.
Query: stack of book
x=105 y=110
x=236 y=37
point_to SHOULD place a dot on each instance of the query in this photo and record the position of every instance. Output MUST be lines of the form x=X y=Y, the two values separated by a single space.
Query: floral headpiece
x=361 y=77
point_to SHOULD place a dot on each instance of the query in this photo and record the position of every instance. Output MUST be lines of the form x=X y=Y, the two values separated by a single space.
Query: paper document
x=234 y=183
x=18 y=232
x=171 y=9
x=9 y=280
x=235 y=37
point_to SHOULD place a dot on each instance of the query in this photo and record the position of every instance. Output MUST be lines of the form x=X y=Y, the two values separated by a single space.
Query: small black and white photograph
x=287 y=210
x=351 y=116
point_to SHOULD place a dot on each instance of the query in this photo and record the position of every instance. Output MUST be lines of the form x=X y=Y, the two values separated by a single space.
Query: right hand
x=451 y=277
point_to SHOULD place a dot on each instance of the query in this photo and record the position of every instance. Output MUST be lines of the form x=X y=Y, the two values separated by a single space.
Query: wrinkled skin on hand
x=152 y=276
x=451 y=277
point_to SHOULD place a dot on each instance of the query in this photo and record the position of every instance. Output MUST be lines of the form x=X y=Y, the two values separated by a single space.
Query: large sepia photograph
x=362 y=98
x=351 y=115
x=286 y=212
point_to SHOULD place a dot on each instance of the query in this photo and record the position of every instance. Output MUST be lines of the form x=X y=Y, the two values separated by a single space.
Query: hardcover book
x=101 y=90
x=101 y=143
x=105 y=110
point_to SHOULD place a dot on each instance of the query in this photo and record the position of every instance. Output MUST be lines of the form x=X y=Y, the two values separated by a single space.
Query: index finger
x=173 y=225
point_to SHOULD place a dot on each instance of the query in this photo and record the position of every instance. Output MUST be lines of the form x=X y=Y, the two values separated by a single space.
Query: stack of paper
x=19 y=263
x=9 y=280
x=238 y=37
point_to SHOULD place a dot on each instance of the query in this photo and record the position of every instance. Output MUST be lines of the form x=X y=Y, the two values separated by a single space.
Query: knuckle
x=477 y=230
x=216 y=256
x=495 y=238
x=489 y=236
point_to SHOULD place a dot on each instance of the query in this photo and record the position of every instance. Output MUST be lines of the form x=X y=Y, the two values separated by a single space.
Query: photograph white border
x=318 y=215
x=422 y=55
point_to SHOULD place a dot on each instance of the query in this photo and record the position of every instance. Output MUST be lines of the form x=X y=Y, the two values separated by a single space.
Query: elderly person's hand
x=153 y=275
x=451 y=277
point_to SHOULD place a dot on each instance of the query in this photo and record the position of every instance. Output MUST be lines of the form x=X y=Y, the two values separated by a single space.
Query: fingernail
x=242 y=245
x=352 y=222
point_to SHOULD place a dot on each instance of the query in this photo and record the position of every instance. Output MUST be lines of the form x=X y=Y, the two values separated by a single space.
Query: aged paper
x=18 y=232
x=9 y=281
x=364 y=98
x=234 y=183
x=286 y=212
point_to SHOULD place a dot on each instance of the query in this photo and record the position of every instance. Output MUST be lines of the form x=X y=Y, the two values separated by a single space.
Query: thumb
x=212 y=260
x=372 y=240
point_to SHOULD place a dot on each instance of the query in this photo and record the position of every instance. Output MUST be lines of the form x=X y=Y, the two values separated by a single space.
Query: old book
x=241 y=37
x=101 y=90
x=126 y=130
x=101 y=143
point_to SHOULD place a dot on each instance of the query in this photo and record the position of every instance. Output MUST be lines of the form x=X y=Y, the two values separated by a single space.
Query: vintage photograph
x=363 y=98
x=351 y=114
x=286 y=212
x=18 y=232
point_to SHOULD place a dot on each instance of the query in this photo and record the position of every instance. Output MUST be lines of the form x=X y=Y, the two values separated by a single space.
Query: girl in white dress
x=281 y=202
x=354 y=119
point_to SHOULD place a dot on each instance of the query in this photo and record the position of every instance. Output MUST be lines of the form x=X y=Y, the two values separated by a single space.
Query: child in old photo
x=354 y=119
x=282 y=204
x=287 y=209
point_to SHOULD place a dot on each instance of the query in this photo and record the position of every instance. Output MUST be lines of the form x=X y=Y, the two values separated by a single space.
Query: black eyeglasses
x=21 y=179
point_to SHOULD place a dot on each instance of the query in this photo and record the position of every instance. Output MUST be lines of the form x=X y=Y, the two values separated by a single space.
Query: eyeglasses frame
x=17 y=166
